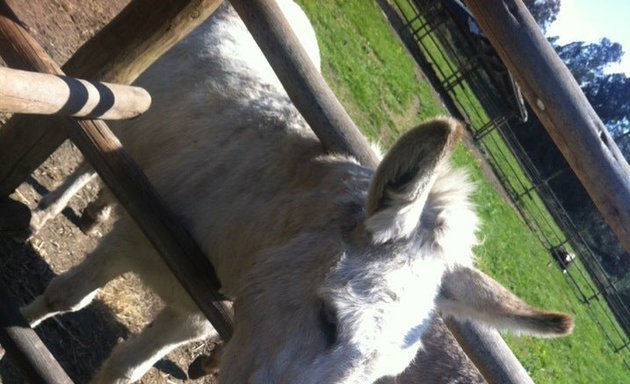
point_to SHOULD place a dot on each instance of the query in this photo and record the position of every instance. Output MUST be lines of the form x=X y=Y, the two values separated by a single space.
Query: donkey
x=336 y=270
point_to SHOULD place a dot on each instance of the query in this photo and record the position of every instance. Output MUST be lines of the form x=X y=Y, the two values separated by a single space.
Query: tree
x=587 y=61
x=545 y=12
x=610 y=97
x=609 y=94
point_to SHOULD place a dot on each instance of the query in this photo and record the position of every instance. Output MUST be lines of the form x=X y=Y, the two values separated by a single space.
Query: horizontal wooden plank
x=39 y=93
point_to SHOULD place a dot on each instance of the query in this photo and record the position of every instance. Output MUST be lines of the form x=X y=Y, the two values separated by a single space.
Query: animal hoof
x=203 y=365
x=93 y=215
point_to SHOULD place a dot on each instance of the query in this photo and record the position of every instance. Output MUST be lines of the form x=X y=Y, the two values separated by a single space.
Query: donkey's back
x=229 y=153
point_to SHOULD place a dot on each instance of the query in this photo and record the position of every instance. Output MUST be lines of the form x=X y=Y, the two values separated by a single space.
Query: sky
x=591 y=20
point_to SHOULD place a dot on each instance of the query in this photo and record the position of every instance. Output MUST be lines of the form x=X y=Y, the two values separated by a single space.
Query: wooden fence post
x=25 y=348
x=302 y=81
x=39 y=93
x=489 y=352
x=559 y=103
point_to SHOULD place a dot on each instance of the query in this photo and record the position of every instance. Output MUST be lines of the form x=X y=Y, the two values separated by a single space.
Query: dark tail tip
x=554 y=324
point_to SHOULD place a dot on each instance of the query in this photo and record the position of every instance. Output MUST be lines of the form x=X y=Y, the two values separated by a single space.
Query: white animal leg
x=54 y=202
x=133 y=358
x=75 y=288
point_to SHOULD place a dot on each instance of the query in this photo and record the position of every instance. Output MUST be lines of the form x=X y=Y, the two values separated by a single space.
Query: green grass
x=364 y=63
x=380 y=86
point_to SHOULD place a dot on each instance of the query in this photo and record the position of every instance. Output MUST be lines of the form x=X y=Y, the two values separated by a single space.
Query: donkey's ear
x=404 y=178
x=469 y=294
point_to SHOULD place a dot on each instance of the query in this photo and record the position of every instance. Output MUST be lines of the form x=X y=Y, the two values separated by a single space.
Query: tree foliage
x=588 y=61
x=609 y=94
x=545 y=12
x=610 y=97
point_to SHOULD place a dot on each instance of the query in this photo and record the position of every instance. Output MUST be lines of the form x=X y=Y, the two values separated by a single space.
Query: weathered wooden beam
x=559 y=103
x=489 y=352
x=301 y=79
x=39 y=93
x=134 y=192
x=24 y=347
x=131 y=187
x=119 y=53
x=138 y=36
x=26 y=140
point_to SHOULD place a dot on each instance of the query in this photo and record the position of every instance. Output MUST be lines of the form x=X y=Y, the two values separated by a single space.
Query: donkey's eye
x=328 y=324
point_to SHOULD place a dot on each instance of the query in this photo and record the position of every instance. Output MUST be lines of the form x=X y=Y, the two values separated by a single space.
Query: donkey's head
x=349 y=303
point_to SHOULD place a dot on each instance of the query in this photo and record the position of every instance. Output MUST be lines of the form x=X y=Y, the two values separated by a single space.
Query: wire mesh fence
x=482 y=91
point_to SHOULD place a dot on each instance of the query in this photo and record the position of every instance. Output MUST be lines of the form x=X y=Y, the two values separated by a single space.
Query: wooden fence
x=27 y=141
x=143 y=31
x=561 y=106
x=494 y=127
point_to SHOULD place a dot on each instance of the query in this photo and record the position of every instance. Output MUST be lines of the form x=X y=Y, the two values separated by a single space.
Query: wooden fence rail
x=561 y=106
x=302 y=81
x=489 y=352
x=130 y=186
x=38 y=93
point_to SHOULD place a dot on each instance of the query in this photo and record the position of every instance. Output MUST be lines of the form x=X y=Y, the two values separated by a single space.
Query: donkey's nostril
x=328 y=323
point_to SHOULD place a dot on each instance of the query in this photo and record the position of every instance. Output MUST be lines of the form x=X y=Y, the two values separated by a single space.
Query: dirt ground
x=82 y=340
